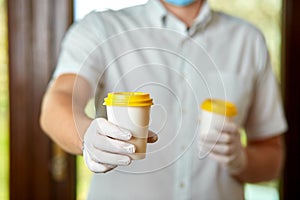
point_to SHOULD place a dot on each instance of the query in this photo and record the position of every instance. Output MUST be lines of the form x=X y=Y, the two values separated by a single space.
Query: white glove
x=105 y=146
x=223 y=144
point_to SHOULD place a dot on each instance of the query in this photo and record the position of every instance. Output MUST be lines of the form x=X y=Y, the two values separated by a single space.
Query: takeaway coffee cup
x=131 y=110
x=214 y=113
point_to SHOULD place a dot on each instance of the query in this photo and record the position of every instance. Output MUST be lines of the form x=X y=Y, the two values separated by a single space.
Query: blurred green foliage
x=4 y=136
x=83 y=179
x=83 y=173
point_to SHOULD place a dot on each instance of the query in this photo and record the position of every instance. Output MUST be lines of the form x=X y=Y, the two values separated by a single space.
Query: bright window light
x=83 y=7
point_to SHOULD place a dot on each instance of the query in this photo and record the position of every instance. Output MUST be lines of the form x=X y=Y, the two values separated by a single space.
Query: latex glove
x=223 y=144
x=105 y=146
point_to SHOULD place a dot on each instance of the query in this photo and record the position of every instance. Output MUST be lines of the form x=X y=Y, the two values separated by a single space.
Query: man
x=181 y=52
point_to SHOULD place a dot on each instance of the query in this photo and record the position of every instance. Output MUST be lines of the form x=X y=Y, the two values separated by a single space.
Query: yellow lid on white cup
x=219 y=106
x=128 y=99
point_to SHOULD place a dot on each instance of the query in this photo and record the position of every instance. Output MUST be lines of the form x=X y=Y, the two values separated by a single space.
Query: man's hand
x=106 y=146
x=223 y=144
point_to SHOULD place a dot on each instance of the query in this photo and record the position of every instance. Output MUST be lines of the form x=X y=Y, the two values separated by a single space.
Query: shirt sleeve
x=266 y=116
x=79 y=51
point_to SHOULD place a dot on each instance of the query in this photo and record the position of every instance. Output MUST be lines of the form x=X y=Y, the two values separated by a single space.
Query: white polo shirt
x=145 y=48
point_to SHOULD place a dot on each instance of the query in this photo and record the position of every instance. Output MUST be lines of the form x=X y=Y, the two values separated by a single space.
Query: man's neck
x=186 y=14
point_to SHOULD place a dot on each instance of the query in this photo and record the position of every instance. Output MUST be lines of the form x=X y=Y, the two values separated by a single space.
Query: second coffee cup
x=215 y=112
x=131 y=110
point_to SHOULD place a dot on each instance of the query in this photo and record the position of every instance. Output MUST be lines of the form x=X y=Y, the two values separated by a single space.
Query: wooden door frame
x=35 y=30
x=291 y=94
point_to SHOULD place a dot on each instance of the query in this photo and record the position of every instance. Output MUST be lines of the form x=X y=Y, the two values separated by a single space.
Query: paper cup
x=131 y=110
x=214 y=113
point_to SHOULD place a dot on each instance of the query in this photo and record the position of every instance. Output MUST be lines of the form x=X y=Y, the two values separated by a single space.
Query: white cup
x=214 y=113
x=131 y=110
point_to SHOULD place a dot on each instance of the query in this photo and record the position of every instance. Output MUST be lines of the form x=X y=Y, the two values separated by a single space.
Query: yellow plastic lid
x=219 y=107
x=128 y=99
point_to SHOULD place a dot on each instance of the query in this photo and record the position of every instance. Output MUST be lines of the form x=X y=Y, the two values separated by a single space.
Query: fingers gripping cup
x=214 y=112
x=131 y=110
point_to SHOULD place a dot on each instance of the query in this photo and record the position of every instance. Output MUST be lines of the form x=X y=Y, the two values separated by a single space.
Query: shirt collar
x=158 y=11
x=204 y=16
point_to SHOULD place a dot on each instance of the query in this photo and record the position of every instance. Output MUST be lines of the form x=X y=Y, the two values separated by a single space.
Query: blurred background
x=267 y=15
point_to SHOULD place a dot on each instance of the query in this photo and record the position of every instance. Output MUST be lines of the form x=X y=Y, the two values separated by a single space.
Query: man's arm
x=63 y=105
x=264 y=160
